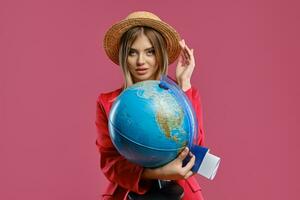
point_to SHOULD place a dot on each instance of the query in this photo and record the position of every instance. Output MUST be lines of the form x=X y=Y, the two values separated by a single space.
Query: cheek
x=130 y=61
x=130 y=64
x=152 y=61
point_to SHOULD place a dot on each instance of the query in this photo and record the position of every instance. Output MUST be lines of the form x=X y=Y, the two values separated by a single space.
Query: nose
x=140 y=60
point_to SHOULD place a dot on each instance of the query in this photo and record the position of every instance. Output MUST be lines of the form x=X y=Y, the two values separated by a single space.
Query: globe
x=151 y=121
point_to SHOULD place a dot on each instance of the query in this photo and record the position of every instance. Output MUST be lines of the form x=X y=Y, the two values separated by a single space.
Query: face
x=141 y=60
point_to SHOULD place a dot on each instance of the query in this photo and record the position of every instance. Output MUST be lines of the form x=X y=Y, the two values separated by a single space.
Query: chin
x=143 y=78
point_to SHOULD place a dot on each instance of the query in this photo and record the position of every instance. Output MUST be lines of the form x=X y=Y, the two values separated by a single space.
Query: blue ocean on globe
x=151 y=122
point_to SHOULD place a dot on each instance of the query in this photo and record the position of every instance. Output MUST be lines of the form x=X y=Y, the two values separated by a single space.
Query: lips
x=141 y=71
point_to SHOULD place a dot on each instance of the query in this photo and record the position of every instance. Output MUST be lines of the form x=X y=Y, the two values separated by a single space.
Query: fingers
x=190 y=173
x=187 y=52
x=175 y=171
x=183 y=154
x=187 y=168
x=191 y=163
x=181 y=57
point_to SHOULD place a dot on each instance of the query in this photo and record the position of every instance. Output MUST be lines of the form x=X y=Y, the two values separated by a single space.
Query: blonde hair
x=159 y=46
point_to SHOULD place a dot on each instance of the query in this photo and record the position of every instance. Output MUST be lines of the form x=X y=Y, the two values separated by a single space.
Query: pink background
x=52 y=68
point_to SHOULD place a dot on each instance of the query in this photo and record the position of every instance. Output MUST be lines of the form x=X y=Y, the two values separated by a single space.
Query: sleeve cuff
x=189 y=93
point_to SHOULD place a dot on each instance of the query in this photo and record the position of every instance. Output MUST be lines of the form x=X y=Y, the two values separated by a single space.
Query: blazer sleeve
x=114 y=166
x=194 y=96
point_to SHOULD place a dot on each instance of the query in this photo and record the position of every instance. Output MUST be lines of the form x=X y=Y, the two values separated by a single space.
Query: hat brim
x=113 y=35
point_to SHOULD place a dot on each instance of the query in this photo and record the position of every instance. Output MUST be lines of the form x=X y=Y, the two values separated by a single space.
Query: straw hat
x=113 y=35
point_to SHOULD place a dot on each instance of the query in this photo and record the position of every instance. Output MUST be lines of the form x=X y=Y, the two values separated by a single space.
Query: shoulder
x=108 y=97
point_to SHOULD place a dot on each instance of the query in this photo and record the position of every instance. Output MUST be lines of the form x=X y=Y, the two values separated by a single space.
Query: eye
x=150 y=52
x=131 y=53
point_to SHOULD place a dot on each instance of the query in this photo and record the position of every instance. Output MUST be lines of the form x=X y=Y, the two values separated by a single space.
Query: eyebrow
x=150 y=48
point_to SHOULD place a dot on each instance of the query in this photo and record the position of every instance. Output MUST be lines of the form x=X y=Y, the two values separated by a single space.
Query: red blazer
x=123 y=175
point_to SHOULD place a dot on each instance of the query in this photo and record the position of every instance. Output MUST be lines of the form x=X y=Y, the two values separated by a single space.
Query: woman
x=144 y=46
